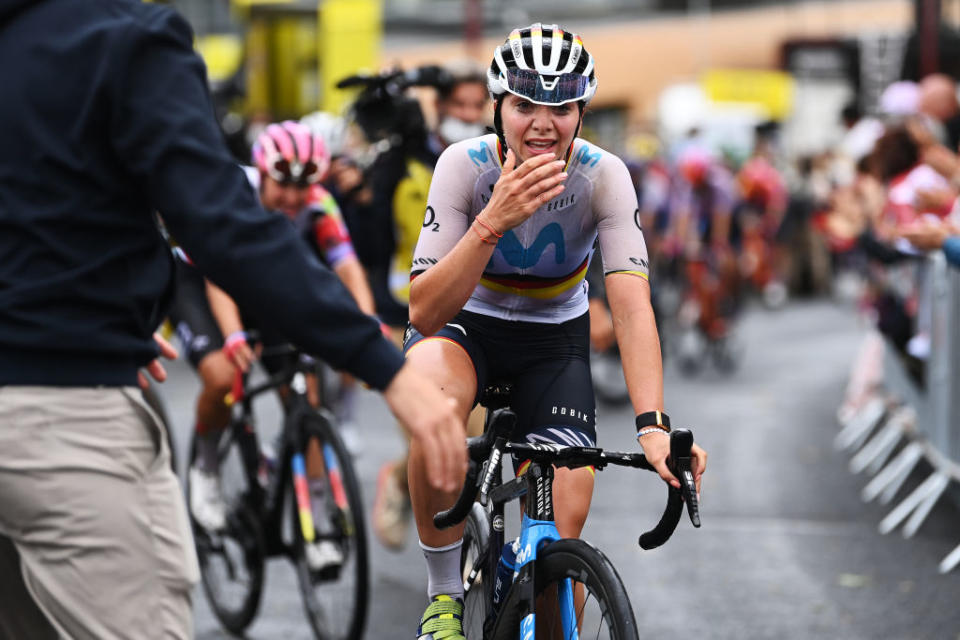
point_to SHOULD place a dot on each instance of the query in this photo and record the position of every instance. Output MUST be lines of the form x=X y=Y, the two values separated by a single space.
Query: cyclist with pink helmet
x=289 y=163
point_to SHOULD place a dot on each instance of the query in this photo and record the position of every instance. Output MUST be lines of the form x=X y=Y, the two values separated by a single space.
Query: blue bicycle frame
x=537 y=530
x=535 y=534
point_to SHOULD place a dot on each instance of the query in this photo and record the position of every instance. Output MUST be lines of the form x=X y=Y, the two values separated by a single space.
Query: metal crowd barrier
x=903 y=423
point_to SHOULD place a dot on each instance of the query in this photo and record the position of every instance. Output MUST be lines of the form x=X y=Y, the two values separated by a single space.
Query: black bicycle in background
x=561 y=589
x=301 y=501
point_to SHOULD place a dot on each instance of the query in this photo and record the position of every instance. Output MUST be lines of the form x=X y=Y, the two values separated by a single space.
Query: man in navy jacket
x=104 y=119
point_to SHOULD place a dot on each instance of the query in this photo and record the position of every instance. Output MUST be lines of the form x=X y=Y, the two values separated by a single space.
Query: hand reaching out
x=155 y=368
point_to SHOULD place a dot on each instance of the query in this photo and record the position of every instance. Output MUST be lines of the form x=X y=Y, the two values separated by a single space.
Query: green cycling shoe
x=443 y=620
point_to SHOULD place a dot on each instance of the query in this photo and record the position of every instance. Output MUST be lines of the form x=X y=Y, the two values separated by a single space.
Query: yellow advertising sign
x=350 y=34
x=772 y=91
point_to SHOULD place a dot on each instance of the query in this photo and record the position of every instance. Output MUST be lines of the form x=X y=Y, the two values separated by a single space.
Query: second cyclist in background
x=289 y=164
x=385 y=212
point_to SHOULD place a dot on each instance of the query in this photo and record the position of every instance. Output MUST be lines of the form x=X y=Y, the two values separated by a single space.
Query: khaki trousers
x=95 y=515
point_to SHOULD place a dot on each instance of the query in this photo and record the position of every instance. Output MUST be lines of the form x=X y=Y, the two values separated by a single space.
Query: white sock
x=443 y=570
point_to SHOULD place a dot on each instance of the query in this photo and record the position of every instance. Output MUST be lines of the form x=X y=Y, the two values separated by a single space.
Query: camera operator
x=384 y=208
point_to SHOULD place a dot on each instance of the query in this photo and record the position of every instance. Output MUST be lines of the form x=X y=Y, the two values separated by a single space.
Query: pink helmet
x=289 y=153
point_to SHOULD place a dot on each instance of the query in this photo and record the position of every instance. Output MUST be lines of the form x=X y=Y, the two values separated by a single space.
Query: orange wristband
x=488 y=227
x=480 y=235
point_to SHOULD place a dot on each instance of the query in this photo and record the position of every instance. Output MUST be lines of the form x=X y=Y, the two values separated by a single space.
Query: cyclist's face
x=467 y=103
x=277 y=196
x=534 y=129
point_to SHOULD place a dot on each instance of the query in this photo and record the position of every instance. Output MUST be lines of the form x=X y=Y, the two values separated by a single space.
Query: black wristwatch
x=653 y=419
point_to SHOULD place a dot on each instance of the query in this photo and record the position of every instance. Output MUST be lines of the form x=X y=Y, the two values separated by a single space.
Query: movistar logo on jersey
x=522 y=257
x=585 y=157
x=481 y=155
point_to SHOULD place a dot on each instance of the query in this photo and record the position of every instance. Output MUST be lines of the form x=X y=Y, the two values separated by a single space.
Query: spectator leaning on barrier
x=111 y=122
x=938 y=100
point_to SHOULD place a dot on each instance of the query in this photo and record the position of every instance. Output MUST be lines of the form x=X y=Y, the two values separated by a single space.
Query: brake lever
x=681 y=446
x=491 y=467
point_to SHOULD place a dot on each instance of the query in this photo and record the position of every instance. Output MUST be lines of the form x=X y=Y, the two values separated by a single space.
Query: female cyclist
x=498 y=291
x=289 y=162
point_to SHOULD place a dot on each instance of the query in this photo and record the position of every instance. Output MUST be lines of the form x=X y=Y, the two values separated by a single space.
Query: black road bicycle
x=562 y=589
x=304 y=504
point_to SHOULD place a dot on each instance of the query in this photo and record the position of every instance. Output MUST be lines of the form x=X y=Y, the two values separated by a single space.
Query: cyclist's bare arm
x=633 y=322
x=440 y=292
x=629 y=298
x=227 y=315
x=354 y=278
x=625 y=264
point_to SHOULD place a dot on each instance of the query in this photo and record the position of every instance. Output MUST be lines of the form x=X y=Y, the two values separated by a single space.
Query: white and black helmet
x=544 y=64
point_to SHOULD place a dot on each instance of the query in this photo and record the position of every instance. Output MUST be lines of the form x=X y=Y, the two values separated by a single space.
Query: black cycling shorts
x=191 y=317
x=197 y=329
x=548 y=366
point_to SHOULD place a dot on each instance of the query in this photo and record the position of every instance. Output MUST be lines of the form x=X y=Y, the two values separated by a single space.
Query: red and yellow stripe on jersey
x=534 y=286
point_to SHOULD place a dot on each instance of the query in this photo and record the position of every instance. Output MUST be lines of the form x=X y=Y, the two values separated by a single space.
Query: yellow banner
x=772 y=91
x=350 y=33
x=222 y=53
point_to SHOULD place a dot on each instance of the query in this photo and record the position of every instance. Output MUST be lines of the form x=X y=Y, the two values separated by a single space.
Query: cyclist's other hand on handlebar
x=656 y=447
x=238 y=350
x=522 y=189
x=429 y=416
x=155 y=369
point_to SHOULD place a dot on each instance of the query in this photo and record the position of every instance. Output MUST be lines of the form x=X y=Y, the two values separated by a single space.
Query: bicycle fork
x=536 y=532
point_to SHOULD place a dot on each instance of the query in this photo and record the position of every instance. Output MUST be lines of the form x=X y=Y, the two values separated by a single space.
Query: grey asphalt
x=787 y=549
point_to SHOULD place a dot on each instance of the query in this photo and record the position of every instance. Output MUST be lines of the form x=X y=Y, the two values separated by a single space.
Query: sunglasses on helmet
x=287 y=173
x=546 y=89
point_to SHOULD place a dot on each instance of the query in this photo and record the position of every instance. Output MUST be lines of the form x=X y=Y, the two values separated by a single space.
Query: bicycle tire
x=606 y=605
x=476 y=537
x=242 y=535
x=335 y=608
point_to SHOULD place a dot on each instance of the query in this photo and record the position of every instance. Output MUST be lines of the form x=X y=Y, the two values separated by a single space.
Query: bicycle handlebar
x=239 y=391
x=681 y=443
x=480 y=447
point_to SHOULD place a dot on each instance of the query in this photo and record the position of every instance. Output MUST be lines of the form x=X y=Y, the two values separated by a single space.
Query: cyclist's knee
x=448 y=365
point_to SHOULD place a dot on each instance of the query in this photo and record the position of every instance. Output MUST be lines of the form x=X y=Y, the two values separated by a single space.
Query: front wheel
x=332 y=568
x=231 y=561
x=600 y=608
x=473 y=569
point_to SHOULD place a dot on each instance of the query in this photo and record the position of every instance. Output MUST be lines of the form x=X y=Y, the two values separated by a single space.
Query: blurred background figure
x=383 y=197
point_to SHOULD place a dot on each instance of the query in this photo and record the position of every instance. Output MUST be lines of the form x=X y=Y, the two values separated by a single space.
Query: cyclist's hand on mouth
x=430 y=417
x=522 y=189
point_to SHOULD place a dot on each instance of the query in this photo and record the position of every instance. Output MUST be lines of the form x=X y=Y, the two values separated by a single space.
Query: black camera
x=382 y=109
